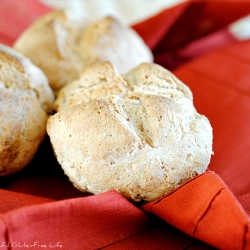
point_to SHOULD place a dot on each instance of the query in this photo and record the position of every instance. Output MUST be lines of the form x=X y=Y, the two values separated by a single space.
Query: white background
x=128 y=11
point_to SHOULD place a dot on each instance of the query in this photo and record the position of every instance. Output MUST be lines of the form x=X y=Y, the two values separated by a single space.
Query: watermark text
x=35 y=244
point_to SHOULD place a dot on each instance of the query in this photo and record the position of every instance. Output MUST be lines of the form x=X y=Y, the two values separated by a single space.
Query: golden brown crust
x=143 y=141
x=63 y=47
x=26 y=101
x=49 y=43
x=97 y=81
x=153 y=78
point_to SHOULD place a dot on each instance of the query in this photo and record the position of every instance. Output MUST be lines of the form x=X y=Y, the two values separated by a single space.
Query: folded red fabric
x=41 y=209
x=181 y=33
x=202 y=208
x=103 y=221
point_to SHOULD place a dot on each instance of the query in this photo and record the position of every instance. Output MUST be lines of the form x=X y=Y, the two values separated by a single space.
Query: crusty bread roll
x=138 y=134
x=26 y=100
x=63 y=46
x=102 y=80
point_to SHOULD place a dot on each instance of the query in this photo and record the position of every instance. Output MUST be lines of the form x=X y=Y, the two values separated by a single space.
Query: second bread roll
x=62 y=46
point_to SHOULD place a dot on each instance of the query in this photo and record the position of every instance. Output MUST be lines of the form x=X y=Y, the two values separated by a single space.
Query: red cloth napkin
x=39 y=207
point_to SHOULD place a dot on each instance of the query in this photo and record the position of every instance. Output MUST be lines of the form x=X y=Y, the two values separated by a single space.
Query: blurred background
x=129 y=11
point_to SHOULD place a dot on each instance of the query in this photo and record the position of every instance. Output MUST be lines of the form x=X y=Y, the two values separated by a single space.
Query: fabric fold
x=190 y=29
x=160 y=25
x=81 y=223
x=205 y=209
x=39 y=206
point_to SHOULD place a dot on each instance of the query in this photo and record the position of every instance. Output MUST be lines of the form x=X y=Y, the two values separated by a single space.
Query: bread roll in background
x=26 y=101
x=139 y=133
x=63 y=46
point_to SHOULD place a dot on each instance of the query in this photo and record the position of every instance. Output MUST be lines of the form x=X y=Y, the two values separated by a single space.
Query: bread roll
x=62 y=46
x=142 y=137
x=26 y=100
x=102 y=79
